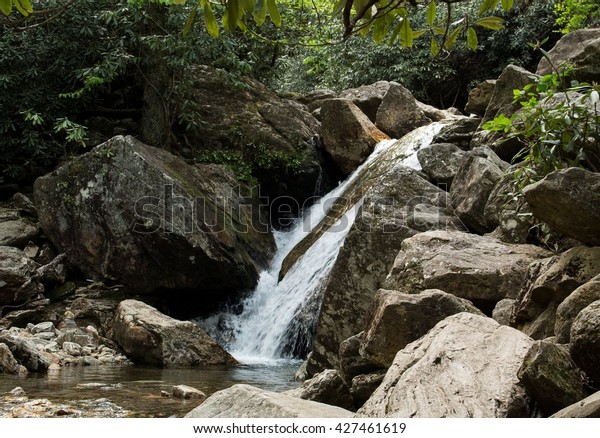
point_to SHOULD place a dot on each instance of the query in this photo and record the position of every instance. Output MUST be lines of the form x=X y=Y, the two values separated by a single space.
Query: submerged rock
x=135 y=214
x=245 y=401
x=466 y=366
x=187 y=392
x=148 y=336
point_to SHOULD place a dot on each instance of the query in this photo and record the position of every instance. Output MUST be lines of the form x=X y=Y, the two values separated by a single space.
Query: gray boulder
x=8 y=364
x=138 y=215
x=187 y=392
x=581 y=49
x=17 y=233
x=368 y=97
x=551 y=377
x=478 y=268
x=398 y=319
x=501 y=102
x=458 y=131
x=502 y=313
x=364 y=385
x=25 y=351
x=569 y=201
x=568 y=310
x=399 y=112
x=326 y=387
x=148 y=336
x=589 y=407
x=19 y=281
x=245 y=401
x=466 y=366
x=351 y=363
x=480 y=97
x=348 y=134
x=440 y=162
x=585 y=341
x=477 y=175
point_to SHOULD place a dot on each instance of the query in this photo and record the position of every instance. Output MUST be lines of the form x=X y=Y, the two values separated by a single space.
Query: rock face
x=399 y=112
x=326 y=387
x=18 y=277
x=478 y=268
x=585 y=345
x=568 y=310
x=479 y=97
x=589 y=407
x=513 y=77
x=25 y=351
x=466 y=366
x=440 y=162
x=138 y=215
x=351 y=363
x=17 y=232
x=8 y=364
x=148 y=336
x=459 y=131
x=399 y=206
x=551 y=377
x=368 y=97
x=569 y=201
x=398 y=319
x=479 y=171
x=348 y=135
x=245 y=401
x=364 y=385
x=580 y=49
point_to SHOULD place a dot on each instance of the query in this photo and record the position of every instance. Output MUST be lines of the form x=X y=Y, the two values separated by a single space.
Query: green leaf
x=435 y=47
x=338 y=8
x=439 y=30
x=23 y=6
x=6 y=6
x=260 y=12
x=508 y=4
x=431 y=10
x=365 y=30
x=406 y=33
x=395 y=34
x=472 y=41
x=247 y=5
x=212 y=26
x=494 y=23
x=452 y=37
x=418 y=33
x=190 y=21
x=487 y=5
x=378 y=30
x=233 y=13
x=274 y=12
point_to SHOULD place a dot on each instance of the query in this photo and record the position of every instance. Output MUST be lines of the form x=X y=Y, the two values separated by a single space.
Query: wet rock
x=569 y=201
x=480 y=97
x=466 y=366
x=440 y=162
x=148 y=336
x=71 y=348
x=76 y=336
x=8 y=364
x=351 y=363
x=589 y=407
x=18 y=280
x=502 y=313
x=138 y=215
x=585 y=345
x=398 y=319
x=326 y=387
x=348 y=135
x=551 y=377
x=187 y=392
x=17 y=233
x=399 y=112
x=478 y=173
x=364 y=385
x=245 y=401
x=581 y=49
x=568 y=310
x=478 y=268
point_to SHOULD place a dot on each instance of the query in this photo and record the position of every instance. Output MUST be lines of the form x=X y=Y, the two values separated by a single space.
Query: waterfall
x=277 y=319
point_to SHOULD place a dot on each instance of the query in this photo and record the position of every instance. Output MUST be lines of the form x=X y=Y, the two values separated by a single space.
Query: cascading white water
x=271 y=324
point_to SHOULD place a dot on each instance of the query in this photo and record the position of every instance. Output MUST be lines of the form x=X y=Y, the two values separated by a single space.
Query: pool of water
x=138 y=389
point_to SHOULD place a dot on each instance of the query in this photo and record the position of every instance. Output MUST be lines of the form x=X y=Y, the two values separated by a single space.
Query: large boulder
x=478 y=268
x=589 y=407
x=398 y=319
x=477 y=175
x=138 y=215
x=466 y=366
x=440 y=162
x=399 y=112
x=348 y=134
x=581 y=49
x=585 y=341
x=245 y=401
x=19 y=281
x=16 y=232
x=25 y=350
x=501 y=102
x=480 y=97
x=8 y=364
x=251 y=122
x=148 y=336
x=459 y=131
x=551 y=377
x=364 y=385
x=399 y=205
x=368 y=97
x=568 y=310
x=326 y=387
x=351 y=363
x=569 y=201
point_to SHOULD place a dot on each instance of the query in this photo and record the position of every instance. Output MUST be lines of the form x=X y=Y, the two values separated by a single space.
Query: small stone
x=71 y=348
x=18 y=392
x=165 y=394
x=187 y=392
